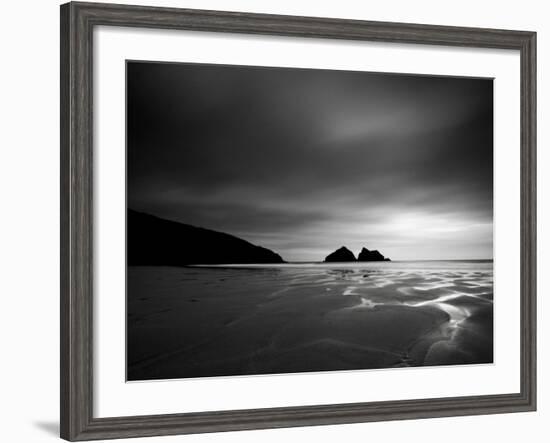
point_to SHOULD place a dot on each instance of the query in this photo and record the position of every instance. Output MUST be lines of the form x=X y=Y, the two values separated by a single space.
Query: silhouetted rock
x=340 y=255
x=366 y=255
x=154 y=241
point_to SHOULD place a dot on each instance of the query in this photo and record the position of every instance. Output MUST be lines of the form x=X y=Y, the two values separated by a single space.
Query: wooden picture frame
x=77 y=23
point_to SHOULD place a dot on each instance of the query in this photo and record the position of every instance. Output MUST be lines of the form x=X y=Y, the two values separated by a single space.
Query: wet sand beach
x=221 y=321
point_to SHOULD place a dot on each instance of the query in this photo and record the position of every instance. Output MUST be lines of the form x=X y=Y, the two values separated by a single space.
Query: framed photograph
x=273 y=221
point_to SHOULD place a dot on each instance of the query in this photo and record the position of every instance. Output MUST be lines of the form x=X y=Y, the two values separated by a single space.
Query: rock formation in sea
x=366 y=255
x=340 y=255
x=154 y=241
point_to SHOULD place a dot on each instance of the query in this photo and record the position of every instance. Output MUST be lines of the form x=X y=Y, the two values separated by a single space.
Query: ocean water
x=303 y=317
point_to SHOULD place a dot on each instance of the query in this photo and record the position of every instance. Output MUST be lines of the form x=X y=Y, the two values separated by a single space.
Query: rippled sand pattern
x=197 y=322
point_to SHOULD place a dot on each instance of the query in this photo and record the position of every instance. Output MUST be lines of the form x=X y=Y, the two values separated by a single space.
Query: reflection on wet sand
x=195 y=322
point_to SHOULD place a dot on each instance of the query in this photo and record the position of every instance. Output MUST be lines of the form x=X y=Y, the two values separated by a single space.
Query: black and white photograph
x=284 y=220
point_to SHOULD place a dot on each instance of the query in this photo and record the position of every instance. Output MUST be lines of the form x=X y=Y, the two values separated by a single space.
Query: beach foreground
x=266 y=319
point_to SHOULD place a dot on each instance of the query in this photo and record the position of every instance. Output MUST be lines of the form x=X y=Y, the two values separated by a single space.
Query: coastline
x=223 y=320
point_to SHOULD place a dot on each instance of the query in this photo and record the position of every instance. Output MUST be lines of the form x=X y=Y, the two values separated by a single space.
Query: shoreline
x=196 y=321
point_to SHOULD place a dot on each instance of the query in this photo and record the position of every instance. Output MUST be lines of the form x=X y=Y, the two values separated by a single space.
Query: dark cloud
x=303 y=161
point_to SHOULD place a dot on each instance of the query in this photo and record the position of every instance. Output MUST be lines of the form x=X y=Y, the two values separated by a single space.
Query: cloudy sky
x=305 y=161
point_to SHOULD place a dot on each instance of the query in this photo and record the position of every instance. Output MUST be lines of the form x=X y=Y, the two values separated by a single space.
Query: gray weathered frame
x=77 y=24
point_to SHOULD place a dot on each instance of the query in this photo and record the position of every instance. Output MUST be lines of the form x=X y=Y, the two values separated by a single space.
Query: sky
x=303 y=161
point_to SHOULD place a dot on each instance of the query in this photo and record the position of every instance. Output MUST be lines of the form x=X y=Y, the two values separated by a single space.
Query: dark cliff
x=155 y=241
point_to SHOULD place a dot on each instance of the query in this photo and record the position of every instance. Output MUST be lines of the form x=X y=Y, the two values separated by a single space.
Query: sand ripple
x=193 y=322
